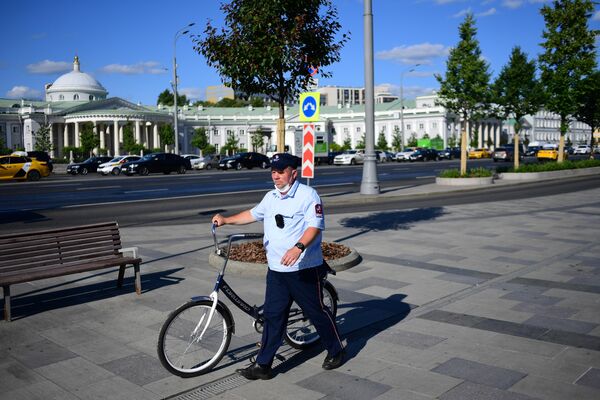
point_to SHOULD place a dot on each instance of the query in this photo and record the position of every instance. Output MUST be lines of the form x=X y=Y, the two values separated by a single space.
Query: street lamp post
x=178 y=34
x=402 y=104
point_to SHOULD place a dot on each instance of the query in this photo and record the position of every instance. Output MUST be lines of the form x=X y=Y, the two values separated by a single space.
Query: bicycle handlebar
x=233 y=237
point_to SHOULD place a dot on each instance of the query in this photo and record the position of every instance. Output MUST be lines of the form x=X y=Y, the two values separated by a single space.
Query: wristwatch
x=300 y=245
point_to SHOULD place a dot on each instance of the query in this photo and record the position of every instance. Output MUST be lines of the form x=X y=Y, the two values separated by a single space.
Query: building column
x=102 y=138
x=155 y=139
x=95 y=131
x=77 y=142
x=146 y=135
x=59 y=141
x=497 y=131
x=116 y=134
x=52 y=146
x=121 y=132
x=66 y=135
x=138 y=133
x=480 y=135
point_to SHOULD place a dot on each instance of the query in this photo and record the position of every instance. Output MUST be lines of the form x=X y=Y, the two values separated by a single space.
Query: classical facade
x=76 y=98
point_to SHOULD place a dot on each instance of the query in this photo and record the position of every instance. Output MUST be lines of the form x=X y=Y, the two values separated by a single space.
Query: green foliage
x=396 y=139
x=167 y=135
x=471 y=173
x=382 y=143
x=200 y=139
x=361 y=143
x=588 y=102
x=227 y=102
x=78 y=153
x=569 y=55
x=264 y=46
x=231 y=145
x=335 y=147
x=452 y=142
x=552 y=166
x=129 y=144
x=166 y=98
x=257 y=139
x=209 y=149
x=347 y=145
x=88 y=140
x=42 y=139
x=412 y=140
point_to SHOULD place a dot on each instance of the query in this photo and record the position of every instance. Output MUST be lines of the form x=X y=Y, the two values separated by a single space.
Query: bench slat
x=49 y=259
x=61 y=250
x=81 y=228
x=10 y=243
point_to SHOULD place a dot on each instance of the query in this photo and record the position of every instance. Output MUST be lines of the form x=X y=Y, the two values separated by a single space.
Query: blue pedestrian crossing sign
x=309 y=106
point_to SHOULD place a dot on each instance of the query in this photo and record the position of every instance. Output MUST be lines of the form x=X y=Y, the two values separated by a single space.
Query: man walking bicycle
x=293 y=219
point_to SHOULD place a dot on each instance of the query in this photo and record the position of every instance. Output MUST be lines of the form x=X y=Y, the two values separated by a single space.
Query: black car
x=89 y=165
x=41 y=156
x=532 y=150
x=245 y=160
x=157 y=162
x=424 y=155
x=449 y=153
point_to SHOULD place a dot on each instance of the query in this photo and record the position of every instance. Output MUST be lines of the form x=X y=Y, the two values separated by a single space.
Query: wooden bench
x=31 y=256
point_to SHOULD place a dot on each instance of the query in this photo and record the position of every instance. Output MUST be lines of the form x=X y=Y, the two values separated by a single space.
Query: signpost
x=309 y=112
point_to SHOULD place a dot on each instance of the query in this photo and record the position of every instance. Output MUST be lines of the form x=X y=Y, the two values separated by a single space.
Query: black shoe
x=256 y=371
x=333 y=362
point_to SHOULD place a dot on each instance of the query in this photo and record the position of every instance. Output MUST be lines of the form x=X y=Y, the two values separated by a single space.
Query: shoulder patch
x=319 y=210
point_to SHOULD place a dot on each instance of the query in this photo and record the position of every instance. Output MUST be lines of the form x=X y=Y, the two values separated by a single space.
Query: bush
x=471 y=173
x=552 y=166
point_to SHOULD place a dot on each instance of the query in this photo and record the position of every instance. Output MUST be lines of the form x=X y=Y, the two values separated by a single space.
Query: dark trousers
x=304 y=287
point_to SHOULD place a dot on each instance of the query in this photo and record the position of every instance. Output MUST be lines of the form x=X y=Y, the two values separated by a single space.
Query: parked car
x=350 y=157
x=245 y=160
x=532 y=150
x=209 y=161
x=479 y=153
x=89 y=165
x=381 y=156
x=405 y=154
x=549 y=152
x=505 y=154
x=194 y=159
x=327 y=159
x=424 y=155
x=157 y=162
x=41 y=156
x=21 y=168
x=114 y=166
x=449 y=153
x=582 y=149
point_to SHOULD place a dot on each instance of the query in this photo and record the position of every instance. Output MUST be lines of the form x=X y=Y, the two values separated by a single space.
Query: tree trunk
x=463 y=148
x=592 y=143
x=281 y=129
x=561 y=143
x=516 y=152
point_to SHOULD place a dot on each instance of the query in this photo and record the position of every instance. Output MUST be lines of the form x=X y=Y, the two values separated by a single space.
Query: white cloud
x=462 y=13
x=49 y=67
x=409 y=91
x=487 y=13
x=447 y=1
x=191 y=93
x=145 y=67
x=423 y=53
x=596 y=16
x=23 y=92
x=486 y=2
x=513 y=4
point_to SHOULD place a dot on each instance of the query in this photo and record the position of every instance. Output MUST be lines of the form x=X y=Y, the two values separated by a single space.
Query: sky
x=128 y=45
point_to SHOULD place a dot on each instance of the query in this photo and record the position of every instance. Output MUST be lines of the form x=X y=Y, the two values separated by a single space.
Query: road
x=195 y=197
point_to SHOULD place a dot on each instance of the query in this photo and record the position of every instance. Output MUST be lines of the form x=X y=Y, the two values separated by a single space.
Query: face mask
x=283 y=189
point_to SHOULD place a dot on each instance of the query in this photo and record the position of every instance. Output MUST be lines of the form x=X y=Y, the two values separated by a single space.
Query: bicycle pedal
x=258 y=344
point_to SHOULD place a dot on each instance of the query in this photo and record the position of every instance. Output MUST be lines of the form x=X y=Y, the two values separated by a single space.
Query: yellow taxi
x=20 y=167
x=549 y=152
x=480 y=153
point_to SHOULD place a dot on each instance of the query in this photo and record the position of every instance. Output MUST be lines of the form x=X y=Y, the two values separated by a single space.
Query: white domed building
x=75 y=86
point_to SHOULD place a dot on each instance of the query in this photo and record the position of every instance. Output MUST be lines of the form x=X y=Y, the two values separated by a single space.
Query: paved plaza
x=482 y=301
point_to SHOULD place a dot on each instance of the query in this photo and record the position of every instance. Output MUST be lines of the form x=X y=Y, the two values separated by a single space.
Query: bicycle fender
x=221 y=307
x=332 y=289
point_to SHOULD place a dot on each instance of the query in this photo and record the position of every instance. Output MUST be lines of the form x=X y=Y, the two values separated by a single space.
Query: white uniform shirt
x=301 y=208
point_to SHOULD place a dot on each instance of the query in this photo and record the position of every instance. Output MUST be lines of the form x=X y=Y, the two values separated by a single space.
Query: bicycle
x=196 y=335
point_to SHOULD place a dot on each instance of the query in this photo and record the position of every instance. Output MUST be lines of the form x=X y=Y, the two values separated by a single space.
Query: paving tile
x=468 y=280
x=115 y=388
x=504 y=249
x=572 y=339
x=396 y=394
x=376 y=281
x=576 y=287
x=532 y=297
x=140 y=368
x=548 y=311
x=73 y=373
x=472 y=391
x=343 y=386
x=452 y=318
x=40 y=353
x=591 y=378
x=409 y=339
x=562 y=324
x=39 y=391
x=415 y=380
x=512 y=260
x=483 y=374
x=14 y=375
x=549 y=389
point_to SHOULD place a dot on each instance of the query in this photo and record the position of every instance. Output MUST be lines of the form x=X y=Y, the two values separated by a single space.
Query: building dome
x=75 y=86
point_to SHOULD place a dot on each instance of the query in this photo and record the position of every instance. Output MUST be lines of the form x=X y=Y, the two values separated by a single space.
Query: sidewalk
x=481 y=301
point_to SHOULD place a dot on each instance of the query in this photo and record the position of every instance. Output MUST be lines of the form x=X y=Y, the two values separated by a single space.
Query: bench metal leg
x=138 y=279
x=6 y=290
x=121 y=275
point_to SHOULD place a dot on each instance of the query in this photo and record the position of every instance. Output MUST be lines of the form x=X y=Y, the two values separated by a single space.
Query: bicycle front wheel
x=183 y=349
x=300 y=332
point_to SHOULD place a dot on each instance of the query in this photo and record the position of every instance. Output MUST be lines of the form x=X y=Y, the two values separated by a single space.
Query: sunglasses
x=279 y=221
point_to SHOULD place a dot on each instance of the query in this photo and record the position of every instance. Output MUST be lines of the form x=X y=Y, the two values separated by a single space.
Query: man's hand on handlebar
x=218 y=220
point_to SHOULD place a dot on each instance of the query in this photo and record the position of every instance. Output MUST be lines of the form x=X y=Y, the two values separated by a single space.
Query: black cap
x=281 y=161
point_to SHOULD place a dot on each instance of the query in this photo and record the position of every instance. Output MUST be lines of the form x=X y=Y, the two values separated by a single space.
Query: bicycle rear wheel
x=300 y=332
x=182 y=351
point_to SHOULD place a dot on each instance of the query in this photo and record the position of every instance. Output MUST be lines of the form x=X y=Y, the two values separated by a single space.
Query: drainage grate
x=212 y=389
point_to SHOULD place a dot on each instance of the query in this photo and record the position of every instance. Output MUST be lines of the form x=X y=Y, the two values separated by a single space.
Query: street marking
x=145 y=191
x=98 y=187
x=425 y=177
x=235 y=179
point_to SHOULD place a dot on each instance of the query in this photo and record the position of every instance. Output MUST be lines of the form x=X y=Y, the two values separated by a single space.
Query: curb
x=259 y=269
x=532 y=176
x=484 y=181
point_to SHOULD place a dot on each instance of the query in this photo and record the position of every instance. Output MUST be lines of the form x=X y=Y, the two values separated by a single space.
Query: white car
x=114 y=166
x=350 y=157
x=194 y=159
x=208 y=162
x=405 y=155
x=582 y=149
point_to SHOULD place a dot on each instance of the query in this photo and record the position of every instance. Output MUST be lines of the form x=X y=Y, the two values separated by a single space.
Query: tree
x=166 y=98
x=397 y=140
x=129 y=144
x=167 y=135
x=361 y=143
x=88 y=140
x=266 y=47
x=382 y=141
x=588 y=104
x=569 y=57
x=412 y=140
x=452 y=141
x=517 y=92
x=464 y=90
x=257 y=139
x=42 y=139
x=200 y=139
x=231 y=144
x=347 y=145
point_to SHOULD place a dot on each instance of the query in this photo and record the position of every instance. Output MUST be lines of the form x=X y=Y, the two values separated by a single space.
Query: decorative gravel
x=255 y=252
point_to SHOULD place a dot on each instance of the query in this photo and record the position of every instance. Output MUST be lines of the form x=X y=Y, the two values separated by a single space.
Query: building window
x=345 y=130
x=241 y=132
x=91 y=97
x=75 y=97
x=408 y=127
x=358 y=129
x=421 y=126
x=434 y=125
x=61 y=97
